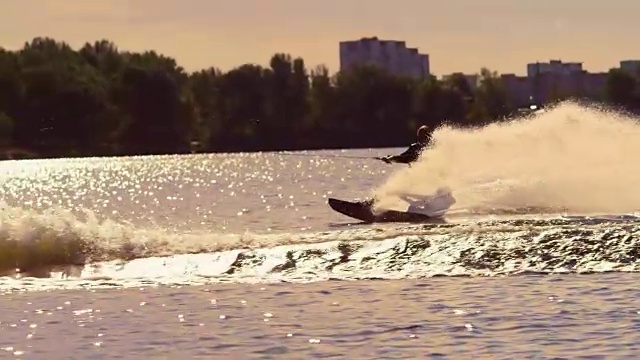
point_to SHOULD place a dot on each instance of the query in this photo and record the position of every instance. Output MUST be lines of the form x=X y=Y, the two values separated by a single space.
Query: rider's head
x=423 y=133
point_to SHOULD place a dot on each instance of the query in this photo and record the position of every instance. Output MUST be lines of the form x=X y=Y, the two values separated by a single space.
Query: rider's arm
x=408 y=156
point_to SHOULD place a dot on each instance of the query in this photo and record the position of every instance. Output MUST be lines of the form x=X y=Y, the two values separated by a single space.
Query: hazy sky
x=459 y=35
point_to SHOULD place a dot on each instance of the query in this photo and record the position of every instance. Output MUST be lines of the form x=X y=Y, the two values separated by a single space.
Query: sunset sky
x=459 y=35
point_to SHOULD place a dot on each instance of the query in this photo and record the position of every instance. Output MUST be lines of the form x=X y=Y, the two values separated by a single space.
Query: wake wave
x=35 y=243
x=59 y=252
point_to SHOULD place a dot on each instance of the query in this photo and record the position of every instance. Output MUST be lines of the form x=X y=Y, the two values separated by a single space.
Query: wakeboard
x=362 y=211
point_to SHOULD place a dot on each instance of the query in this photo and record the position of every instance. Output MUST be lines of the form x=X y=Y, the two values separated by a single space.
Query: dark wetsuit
x=411 y=154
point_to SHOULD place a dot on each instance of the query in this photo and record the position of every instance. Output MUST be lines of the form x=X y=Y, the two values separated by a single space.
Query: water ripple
x=524 y=317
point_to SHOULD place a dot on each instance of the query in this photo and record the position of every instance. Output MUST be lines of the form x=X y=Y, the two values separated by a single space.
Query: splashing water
x=576 y=158
x=203 y=218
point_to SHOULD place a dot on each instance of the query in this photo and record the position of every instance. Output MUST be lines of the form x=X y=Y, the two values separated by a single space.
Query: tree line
x=99 y=101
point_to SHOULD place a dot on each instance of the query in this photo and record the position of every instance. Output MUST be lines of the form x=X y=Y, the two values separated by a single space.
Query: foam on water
x=571 y=157
x=67 y=253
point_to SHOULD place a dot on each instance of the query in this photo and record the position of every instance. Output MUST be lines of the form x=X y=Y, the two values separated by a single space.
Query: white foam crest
x=57 y=237
x=489 y=249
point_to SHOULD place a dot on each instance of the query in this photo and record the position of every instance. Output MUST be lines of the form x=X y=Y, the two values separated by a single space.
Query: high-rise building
x=556 y=67
x=391 y=55
x=630 y=66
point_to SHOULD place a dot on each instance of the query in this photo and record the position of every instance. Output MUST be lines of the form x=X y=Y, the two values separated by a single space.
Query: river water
x=238 y=256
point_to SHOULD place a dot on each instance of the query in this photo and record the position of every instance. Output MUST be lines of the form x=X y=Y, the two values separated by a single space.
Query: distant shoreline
x=23 y=154
x=97 y=101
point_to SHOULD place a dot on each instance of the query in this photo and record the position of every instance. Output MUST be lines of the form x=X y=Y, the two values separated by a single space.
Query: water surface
x=238 y=255
x=530 y=317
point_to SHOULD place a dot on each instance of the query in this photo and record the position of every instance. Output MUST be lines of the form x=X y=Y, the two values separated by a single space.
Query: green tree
x=151 y=98
x=243 y=96
x=204 y=88
x=6 y=130
x=490 y=102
